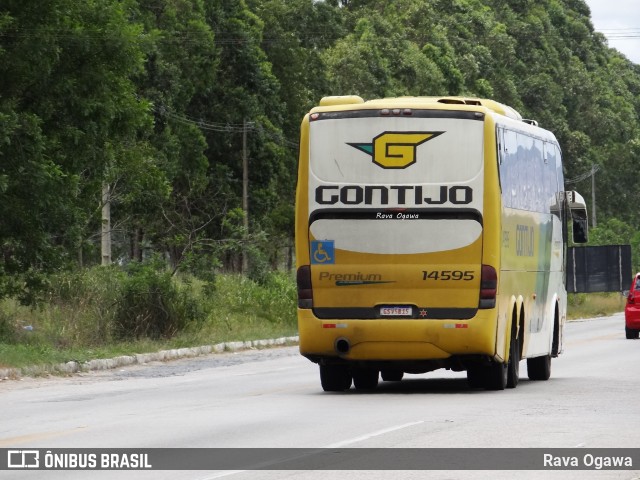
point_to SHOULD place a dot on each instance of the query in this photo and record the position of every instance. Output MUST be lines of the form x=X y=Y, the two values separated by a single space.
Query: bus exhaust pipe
x=342 y=346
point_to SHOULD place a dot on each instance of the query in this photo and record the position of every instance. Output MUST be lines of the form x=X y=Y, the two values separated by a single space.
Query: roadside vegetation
x=108 y=312
x=591 y=305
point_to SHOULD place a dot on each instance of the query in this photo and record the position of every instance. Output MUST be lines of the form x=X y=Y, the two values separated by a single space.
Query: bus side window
x=509 y=169
x=550 y=180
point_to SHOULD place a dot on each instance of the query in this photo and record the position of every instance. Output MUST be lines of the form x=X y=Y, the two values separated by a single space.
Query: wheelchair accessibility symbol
x=322 y=252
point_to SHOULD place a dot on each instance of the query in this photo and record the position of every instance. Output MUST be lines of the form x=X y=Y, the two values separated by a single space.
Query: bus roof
x=348 y=102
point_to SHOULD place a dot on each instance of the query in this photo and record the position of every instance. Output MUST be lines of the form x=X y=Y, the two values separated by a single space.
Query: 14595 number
x=445 y=275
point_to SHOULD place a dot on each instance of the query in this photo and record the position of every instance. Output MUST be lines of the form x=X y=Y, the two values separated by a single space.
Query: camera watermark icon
x=23 y=459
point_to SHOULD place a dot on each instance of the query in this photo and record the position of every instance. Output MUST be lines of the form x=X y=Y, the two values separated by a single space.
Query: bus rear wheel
x=335 y=378
x=496 y=376
x=365 y=378
x=489 y=377
x=392 y=375
x=513 y=367
x=499 y=376
x=539 y=368
x=475 y=377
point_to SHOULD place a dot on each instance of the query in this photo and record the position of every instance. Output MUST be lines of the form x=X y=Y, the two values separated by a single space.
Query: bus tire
x=631 y=333
x=391 y=375
x=496 y=376
x=539 y=368
x=335 y=378
x=475 y=377
x=513 y=366
x=365 y=378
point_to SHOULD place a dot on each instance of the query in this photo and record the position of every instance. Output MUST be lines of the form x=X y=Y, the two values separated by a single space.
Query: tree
x=613 y=231
x=154 y=98
x=71 y=121
x=181 y=66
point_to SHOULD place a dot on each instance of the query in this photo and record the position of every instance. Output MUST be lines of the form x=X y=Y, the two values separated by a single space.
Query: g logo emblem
x=395 y=149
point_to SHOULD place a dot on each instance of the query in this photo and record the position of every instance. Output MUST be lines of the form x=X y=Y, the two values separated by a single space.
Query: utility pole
x=593 y=195
x=106 y=224
x=245 y=196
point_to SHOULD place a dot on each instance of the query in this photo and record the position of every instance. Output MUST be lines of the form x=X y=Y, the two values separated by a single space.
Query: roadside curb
x=73 y=366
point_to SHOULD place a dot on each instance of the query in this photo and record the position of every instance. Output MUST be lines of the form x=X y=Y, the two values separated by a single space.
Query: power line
x=579 y=178
x=210 y=126
x=227 y=127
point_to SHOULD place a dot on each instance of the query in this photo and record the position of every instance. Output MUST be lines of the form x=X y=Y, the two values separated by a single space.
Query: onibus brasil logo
x=395 y=149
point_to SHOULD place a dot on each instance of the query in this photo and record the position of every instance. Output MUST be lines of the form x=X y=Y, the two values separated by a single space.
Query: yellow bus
x=431 y=232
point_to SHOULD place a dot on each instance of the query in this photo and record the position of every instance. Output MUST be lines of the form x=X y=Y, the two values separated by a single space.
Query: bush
x=7 y=329
x=201 y=265
x=259 y=268
x=583 y=305
x=82 y=305
x=153 y=305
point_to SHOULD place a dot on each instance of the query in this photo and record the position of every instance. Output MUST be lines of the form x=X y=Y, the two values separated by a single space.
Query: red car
x=632 y=309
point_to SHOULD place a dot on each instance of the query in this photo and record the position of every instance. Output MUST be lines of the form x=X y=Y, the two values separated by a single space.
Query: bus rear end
x=390 y=215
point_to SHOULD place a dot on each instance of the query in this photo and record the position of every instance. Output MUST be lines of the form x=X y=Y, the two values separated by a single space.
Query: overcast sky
x=619 y=20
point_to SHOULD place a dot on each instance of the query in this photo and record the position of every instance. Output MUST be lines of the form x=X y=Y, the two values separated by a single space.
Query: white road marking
x=343 y=443
x=223 y=474
x=373 y=434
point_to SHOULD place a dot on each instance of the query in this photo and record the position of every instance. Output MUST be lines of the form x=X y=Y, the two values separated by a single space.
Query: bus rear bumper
x=405 y=340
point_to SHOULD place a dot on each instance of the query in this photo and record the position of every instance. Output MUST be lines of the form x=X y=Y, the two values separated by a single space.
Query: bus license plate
x=396 y=311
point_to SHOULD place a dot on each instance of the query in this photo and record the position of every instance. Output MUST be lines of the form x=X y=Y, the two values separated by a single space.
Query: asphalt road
x=272 y=398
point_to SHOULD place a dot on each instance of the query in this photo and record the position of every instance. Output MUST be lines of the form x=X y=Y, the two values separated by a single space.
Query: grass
x=80 y=326
x=245 y=310
x=583 y=305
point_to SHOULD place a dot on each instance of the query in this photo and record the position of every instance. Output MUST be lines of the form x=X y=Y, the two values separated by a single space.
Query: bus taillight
x=305 y=293
x=488 y=287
